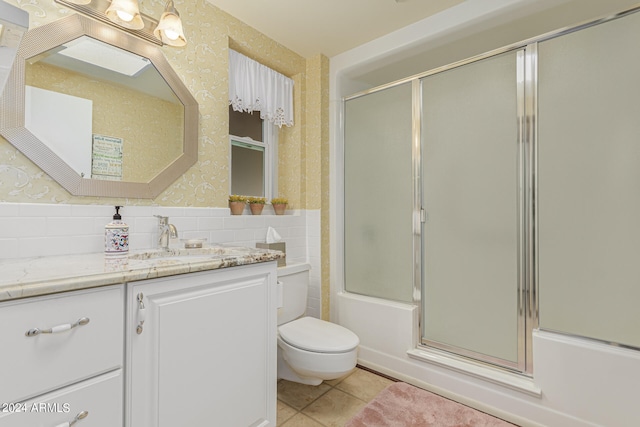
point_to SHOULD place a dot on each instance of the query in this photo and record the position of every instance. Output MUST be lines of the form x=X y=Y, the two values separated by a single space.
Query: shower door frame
x=527 y=140
x=527 y=117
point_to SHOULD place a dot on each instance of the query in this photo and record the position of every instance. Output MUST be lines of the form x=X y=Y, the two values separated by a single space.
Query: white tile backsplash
x=46 y=210
x=23 y=227
x=39 y=229
x=69 y=226
x=7 y=247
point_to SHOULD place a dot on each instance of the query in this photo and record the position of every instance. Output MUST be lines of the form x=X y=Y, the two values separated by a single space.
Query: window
x=253 y=155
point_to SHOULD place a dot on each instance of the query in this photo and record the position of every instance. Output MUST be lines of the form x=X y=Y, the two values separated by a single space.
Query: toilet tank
x=295 y=284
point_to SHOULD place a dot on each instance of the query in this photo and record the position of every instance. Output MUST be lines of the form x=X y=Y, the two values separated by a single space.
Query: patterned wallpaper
x=203 y=66
x=143 y=122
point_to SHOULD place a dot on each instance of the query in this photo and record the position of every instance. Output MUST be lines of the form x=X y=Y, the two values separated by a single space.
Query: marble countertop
x=28 y=277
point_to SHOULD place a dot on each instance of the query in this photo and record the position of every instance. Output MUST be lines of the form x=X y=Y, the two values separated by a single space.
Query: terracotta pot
x=236 y=207
x=256 y=208
x=280 y=208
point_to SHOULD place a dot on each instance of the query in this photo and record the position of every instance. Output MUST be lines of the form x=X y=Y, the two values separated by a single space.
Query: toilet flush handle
x=280 y=294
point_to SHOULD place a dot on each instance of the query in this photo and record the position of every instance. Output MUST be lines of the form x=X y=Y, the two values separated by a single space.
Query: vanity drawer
x=37 y=364
x=100 y=397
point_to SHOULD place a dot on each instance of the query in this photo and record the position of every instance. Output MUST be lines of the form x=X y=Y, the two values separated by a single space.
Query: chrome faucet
x=167 y=231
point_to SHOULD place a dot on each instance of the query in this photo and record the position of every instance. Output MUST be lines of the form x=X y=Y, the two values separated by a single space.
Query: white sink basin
x=170 y=260
x=205 y=253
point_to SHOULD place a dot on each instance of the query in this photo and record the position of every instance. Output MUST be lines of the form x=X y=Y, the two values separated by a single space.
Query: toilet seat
x=311 y=334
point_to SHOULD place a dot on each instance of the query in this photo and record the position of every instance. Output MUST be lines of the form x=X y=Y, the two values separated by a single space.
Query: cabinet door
x=206 y=353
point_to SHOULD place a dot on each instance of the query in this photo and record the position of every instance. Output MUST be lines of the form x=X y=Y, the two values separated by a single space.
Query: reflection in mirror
x=69 y=105
x=100 y=111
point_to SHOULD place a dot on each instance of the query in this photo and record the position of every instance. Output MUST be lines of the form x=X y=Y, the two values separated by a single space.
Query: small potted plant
x=279 y=205
x=256 y=204
x=236 y=204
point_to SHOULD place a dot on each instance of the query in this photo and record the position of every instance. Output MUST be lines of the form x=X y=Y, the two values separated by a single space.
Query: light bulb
x=127 y=17
x=125 y=13
x=171 y=34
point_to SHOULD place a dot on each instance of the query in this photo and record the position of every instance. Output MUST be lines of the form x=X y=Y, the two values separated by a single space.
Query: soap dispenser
x=116 y=236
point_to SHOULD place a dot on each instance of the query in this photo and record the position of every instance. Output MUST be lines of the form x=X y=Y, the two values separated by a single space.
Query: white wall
x=576 y=382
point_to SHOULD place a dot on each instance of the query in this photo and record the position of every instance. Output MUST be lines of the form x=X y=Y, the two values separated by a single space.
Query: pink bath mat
x=403 y=405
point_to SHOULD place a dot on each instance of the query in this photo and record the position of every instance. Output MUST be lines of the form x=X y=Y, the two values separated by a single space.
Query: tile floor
x=331 y=404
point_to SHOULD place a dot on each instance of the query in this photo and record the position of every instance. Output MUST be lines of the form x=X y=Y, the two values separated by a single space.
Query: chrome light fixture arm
x=125 y=15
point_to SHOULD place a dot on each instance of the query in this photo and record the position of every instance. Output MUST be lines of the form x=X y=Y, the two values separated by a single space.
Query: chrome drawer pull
x=60 y=328
x=78 y=417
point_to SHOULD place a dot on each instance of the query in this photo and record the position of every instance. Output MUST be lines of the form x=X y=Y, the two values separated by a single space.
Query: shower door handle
x=279 y=294
x=423 y=215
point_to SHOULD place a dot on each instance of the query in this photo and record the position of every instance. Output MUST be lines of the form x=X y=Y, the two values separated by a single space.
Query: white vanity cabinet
x=201 y=349
x=61 y=358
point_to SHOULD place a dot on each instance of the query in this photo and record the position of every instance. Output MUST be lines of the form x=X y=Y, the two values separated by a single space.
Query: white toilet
x=310 y=350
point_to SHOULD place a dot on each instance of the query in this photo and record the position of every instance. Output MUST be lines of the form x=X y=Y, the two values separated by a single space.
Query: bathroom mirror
x=96 y=130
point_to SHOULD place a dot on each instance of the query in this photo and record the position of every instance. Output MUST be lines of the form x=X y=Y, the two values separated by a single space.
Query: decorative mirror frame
x=12 y=109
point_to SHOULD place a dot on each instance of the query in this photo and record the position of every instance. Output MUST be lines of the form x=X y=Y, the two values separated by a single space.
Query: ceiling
x=522 y=20
x=332 y=27
x=329 y=27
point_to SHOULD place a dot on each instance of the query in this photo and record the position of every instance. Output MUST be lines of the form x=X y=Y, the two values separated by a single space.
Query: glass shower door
x=589 y=159
x=378 y=194
x=472 y=198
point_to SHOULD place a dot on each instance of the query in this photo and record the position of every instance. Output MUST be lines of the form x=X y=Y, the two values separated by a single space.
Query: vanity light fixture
x=81 y=2
x=169 y=29
x=126 y=15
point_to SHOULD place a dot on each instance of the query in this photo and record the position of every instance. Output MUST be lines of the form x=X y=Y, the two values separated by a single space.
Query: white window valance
x=255 y=87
